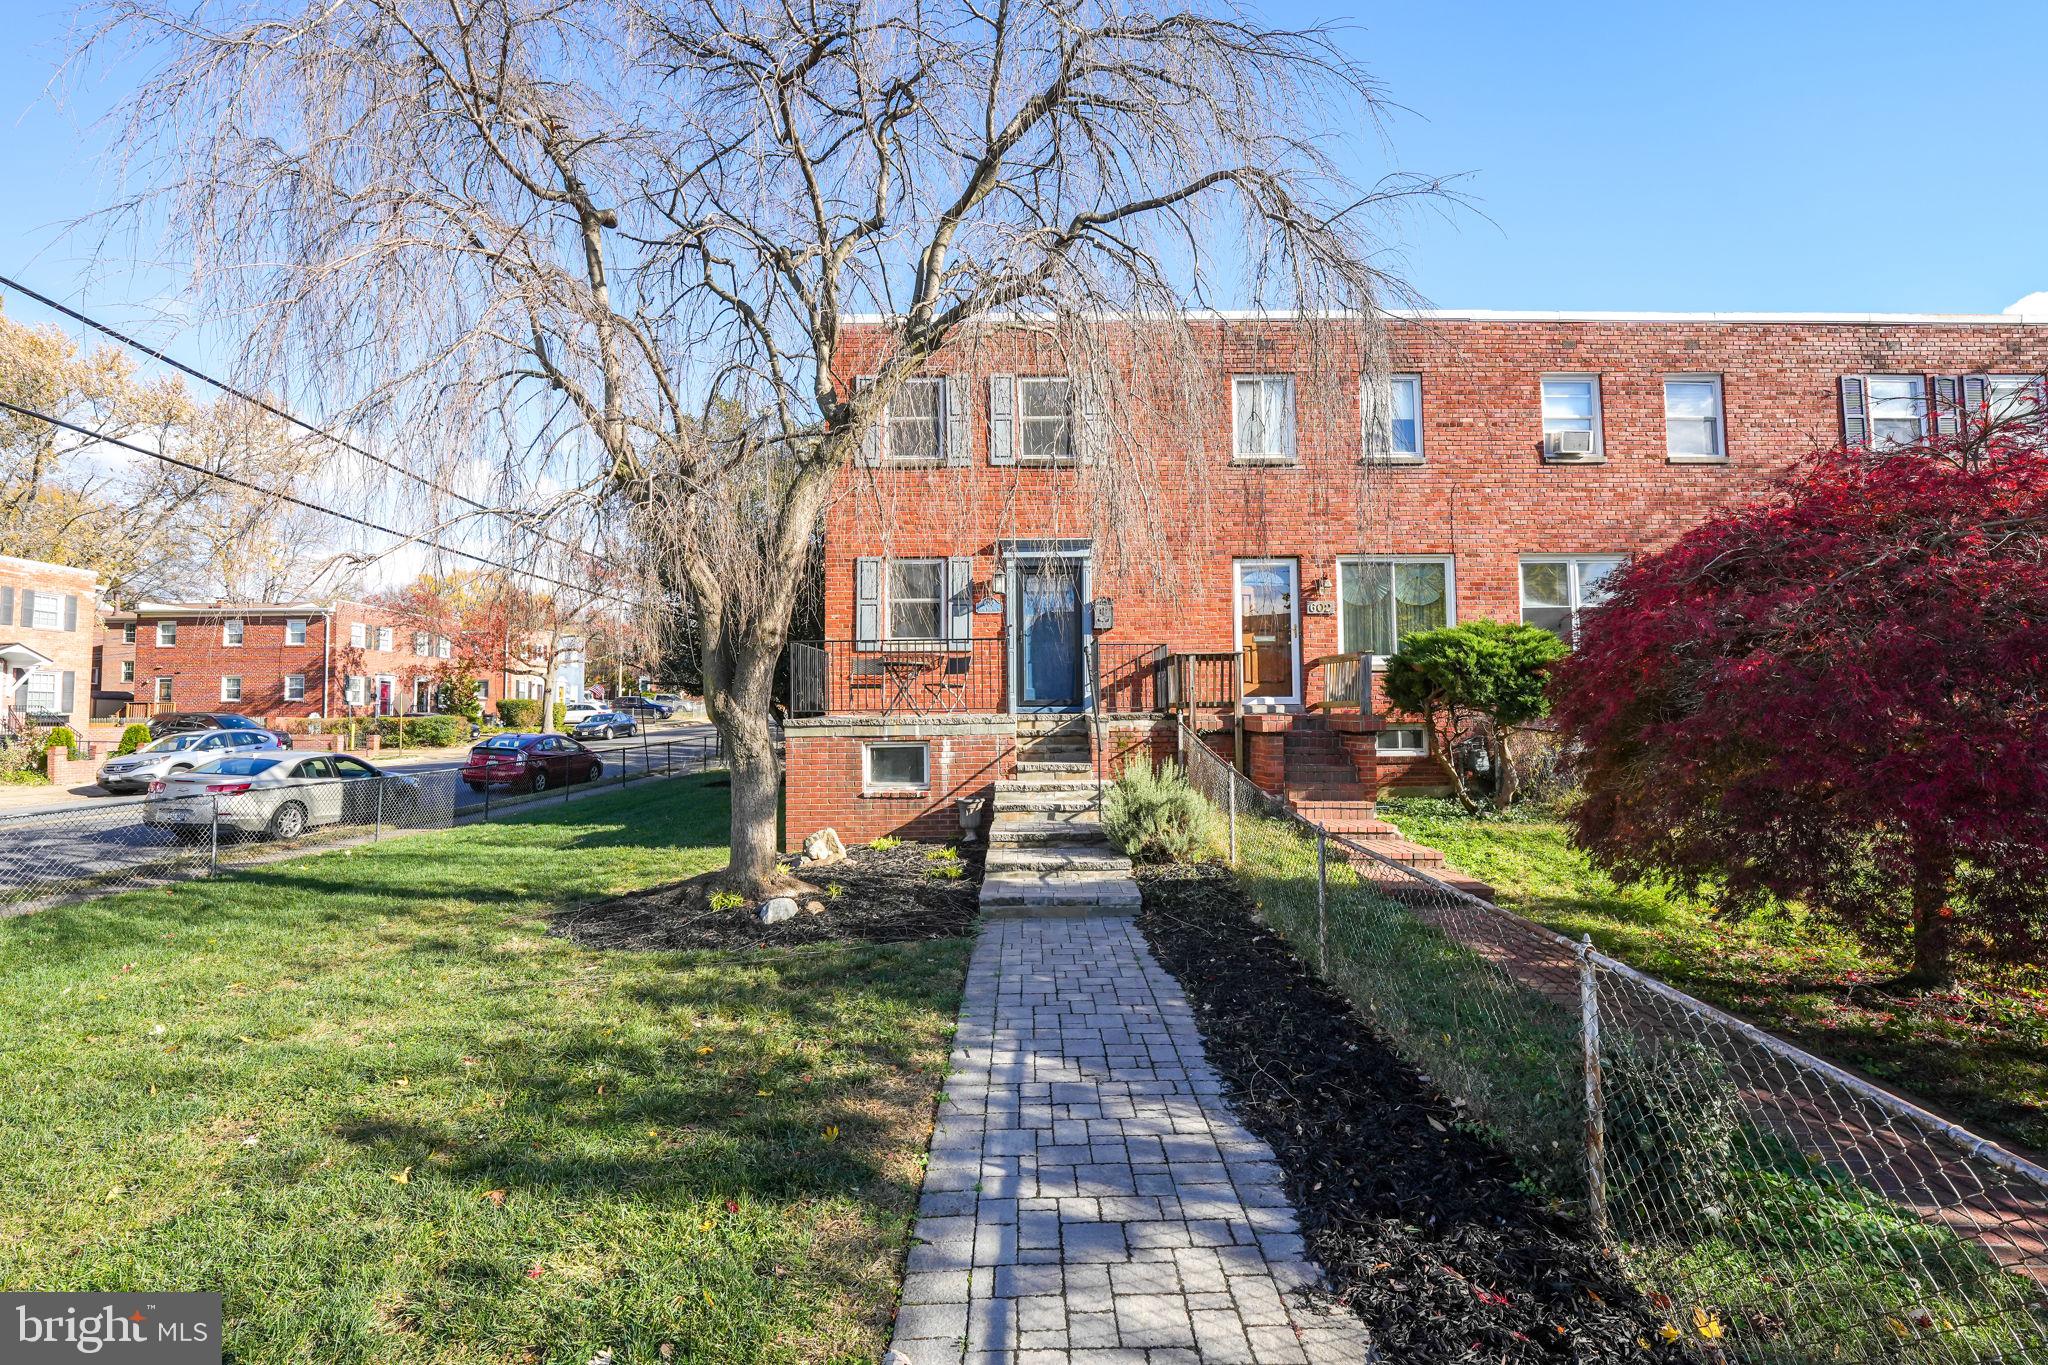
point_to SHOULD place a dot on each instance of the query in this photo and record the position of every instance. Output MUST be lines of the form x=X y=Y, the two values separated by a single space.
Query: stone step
x=1016 y=829
x=1053 y=750
x=1040 y=767
x=1048 y=889
x=1054 y=799
x=1095 y=859
x=1048 y=782
x=1051 y=725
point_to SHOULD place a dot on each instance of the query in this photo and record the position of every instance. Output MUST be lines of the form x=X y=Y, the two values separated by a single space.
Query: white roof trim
x=1596 y=315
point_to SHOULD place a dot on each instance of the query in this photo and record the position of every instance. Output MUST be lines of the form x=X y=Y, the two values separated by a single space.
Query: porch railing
x=897 y=678
x=1347 y=682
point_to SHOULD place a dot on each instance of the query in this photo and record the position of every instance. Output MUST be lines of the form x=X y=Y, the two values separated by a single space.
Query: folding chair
x=949 y=690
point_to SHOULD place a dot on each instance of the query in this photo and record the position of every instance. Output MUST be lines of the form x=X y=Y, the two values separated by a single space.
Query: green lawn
x=364 y=1096
x=1980 y=1054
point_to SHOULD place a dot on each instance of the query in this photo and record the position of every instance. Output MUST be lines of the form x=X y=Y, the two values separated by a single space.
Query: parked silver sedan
x=281 y=794
x=176 y=754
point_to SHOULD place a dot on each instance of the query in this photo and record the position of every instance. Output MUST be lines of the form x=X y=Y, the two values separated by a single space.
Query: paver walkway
x=1090 y=1198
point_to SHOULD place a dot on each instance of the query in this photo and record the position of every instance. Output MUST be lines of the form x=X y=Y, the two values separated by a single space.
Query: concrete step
x=1040 y=767
x=1049 y=889
x=1095 y=859
x=1015 y=830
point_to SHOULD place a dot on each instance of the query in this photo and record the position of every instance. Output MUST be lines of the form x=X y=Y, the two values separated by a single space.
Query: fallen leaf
x=496 y=1197
x=403 y=1177
x=533 y=1271
x=732 y=1206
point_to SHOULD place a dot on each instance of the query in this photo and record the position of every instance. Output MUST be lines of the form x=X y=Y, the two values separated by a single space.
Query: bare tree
x=631 y=236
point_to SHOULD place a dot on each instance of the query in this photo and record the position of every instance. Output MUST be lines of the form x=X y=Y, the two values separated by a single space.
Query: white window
x=443 y=647
x=904 y=766
x=1571 y=416
x=47 y=611
x=1263 y=416
x=1403 y=741
x=128 y=633
x=420 y=643
x=163 y=689
x=356 y=692
x=483 y=689
x=295 y=630
x=358 y=635
x=1383 y=601
x=1046 y=417
x=231 y=633
x=384 y=638
x=1556 y=588
x=2007 y=396
x=1692 y=417
x=39 y=694
x=914 y=431
x=128 y=670
x=917 y=599
x=1898 y=410
x=294 y=687
x=230 y=687
x=166 y=633
x=1404 y=417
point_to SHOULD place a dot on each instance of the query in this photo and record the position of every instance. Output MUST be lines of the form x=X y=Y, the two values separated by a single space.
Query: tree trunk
x=744 y=718
x=1933 y=929
x=1503 y=768
x=1444 y=750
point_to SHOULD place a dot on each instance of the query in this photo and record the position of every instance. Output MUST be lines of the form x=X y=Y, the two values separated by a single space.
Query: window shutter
x=1092 y=432
x=1945 y=413
x=6 y=606
x=867 y=601
x=1377 y=398
x=70 y=611
x=1977 y=399
x=960 y=594
x=68 y=694
x=871 y=439
x=959 y=407
x=28 y=608
x=1287 y=416
x=1002 y=419
x=1855 y=418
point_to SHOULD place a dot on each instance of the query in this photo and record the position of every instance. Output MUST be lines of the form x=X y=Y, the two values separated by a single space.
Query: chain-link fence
x=206 y=820
x=1776 y=1207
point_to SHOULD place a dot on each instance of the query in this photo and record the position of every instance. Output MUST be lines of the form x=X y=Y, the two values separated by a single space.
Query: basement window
x=896 y=767
x=1403 y=741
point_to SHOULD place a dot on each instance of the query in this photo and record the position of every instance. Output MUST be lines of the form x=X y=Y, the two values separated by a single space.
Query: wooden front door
x=1268 y=597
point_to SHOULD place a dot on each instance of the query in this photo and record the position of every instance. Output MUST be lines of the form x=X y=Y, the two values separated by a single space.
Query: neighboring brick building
x=284 y=660
x=1512 y=461
x=47 y=620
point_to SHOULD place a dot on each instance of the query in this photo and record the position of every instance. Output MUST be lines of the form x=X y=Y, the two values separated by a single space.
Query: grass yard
x=1980 y=1053
x=366 y=1096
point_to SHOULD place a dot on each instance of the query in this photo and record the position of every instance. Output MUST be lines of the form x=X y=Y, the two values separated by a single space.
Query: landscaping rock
x=814 y=907
x=824 y=847
x=778 y=910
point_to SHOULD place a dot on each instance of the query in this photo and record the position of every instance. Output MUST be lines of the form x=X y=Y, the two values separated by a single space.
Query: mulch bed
x=886 y=896
x=1416 y=1220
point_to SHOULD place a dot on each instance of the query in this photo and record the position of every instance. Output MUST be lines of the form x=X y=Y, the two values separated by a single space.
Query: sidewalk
x=1090 y=1199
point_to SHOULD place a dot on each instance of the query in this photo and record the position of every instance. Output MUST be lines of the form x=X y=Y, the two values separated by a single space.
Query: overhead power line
x=266 y=405
x=297 y=501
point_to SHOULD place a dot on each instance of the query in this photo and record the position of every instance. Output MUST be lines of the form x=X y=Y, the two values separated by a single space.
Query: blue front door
x=1048 y=635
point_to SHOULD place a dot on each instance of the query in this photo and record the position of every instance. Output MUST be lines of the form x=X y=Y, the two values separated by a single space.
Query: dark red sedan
x=532 y=762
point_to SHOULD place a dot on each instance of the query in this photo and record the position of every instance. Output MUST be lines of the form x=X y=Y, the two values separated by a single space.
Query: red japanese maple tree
x=1839 y=695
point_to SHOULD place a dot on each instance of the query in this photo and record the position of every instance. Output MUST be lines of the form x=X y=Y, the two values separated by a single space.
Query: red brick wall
x=823 y=785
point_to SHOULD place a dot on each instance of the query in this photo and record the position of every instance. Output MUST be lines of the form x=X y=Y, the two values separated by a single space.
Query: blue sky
x=1743 y=156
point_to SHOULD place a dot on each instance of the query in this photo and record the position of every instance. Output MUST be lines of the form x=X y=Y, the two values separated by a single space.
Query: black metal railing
x=897 y=677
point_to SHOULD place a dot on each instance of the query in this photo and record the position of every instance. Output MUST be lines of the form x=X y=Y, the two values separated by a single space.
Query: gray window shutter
x=1855 y=417
x=28 y=608
x=1977 y=399
x=959 y=407
x=1092 y=430
x=867 y=601
x=871 y=439
x=1945 y=412
x=67 y=697
x=6 y=606
x=1002 y=419
x=960 y=596
x=70 y=611
x=1376 y=397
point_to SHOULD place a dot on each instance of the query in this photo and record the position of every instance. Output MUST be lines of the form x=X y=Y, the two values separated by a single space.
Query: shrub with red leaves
x=1838 y=696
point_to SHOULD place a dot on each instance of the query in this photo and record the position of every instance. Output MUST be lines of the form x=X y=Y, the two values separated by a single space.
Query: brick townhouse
x=282 y=660
x=48 y=620
x=1281 y=529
